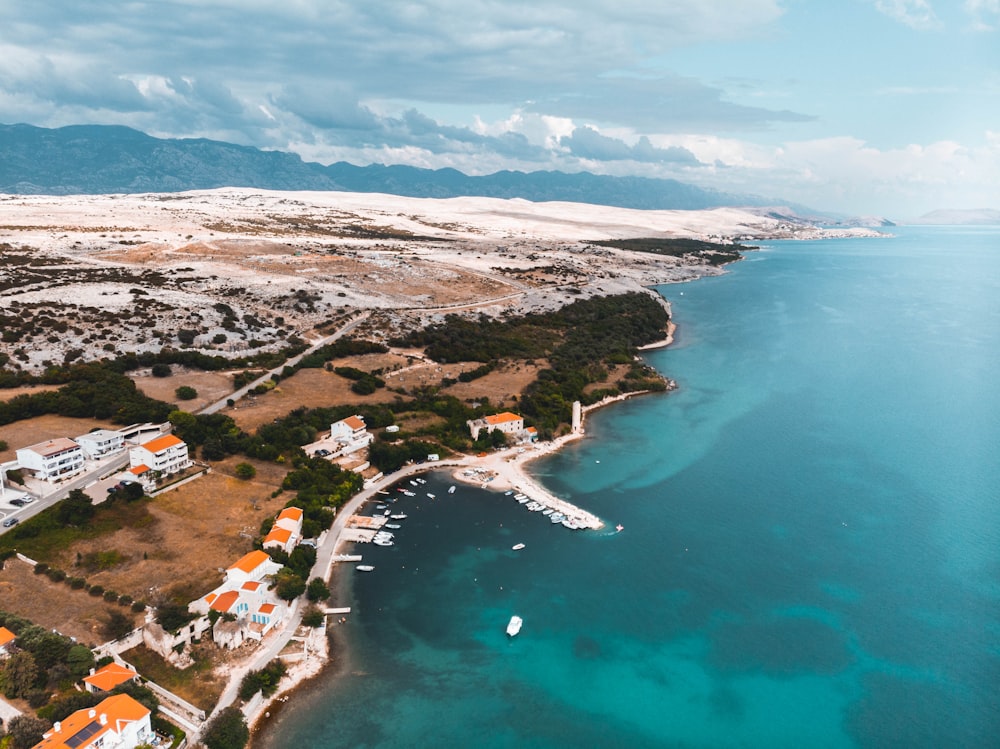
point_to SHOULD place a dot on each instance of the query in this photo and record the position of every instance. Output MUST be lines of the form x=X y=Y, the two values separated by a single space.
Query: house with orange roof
x=108 y=677
x=52 y=460
x=246 y=608
x=350 y=435
x=506 y=422
x=163 y=455
x=286 y=531
x=6 y=638
x=118 y=722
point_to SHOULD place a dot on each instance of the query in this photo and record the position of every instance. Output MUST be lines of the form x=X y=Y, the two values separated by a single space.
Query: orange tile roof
x=6 y=636
x=250 y=585
x=162 y=443
x=501 y=418
x=110 y=676
x=225 y=601
x=266 y=608
x=249 y=562
x=140 y=469
x=120 y=710
x=289 y=513
x=355 y=422
x=281 y=535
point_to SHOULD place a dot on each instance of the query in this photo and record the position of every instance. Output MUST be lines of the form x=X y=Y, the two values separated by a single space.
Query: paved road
x=44 y=500
x=235 y=396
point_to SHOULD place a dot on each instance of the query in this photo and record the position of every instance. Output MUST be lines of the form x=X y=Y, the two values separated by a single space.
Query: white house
x=166 y=454
x=245 y=599
x=55 y=459
x=119 y=722
x=286 y=531
x=506 y=422
x=101 y=442
x=350 y=434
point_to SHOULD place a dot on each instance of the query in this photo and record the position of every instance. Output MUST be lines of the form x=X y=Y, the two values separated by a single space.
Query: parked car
x=18 y=502
x=10 y=521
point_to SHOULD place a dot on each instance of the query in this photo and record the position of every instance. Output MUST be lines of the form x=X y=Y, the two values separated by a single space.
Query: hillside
x=99 y=159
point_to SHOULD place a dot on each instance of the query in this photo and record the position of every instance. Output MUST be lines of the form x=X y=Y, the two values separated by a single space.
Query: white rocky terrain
x=232 y=270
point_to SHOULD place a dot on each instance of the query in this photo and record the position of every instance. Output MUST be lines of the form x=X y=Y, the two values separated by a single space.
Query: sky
x=865 y=107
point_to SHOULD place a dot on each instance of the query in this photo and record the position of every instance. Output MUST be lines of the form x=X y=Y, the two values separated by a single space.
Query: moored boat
x=514 y=625
x=364 y=568
x=517 y=547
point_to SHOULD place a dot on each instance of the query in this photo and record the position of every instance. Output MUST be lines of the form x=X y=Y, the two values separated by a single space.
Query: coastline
x=507 y=471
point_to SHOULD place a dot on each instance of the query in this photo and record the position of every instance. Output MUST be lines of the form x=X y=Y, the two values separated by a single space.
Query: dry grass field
x=194 y=532
x=74 y=613
x=211 y=386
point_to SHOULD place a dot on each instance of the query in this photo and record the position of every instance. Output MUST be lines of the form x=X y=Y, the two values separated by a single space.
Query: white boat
x=392 y=526
x=409 y=494
x=508 y=493
x=547 y=511
x=364 y=568
x=519 y=497
x=431 y=495
x=380 y=507
x=451 y=489
x=413 y=483
x=524 y=500
x=556 y=517
x=517 y=547
x=534 y=506
x=399 y=516
x=421 y=481
x=382 y=542
x=514 y=625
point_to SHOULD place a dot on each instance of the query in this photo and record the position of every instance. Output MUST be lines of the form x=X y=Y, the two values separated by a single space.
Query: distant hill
x=957 y=217
x=99 y=159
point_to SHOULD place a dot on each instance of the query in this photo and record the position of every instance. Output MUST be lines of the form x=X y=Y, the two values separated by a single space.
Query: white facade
x=101 y=442
x=167 y=454
x=55 y=459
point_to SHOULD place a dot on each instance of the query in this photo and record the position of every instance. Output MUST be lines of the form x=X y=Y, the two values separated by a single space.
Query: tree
x=312 y=617
x=172 y=616
x=75 y=510
x=161 y=370
x=19 y=674
x=79 y=659
x=26 y=730
x=289 y=586
x=317 y=590
x=186 y=393
x=245 y=471
x=227 y=730
x=117 y=625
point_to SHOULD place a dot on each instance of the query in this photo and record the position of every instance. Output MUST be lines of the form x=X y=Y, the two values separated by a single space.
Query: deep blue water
x=811 y=553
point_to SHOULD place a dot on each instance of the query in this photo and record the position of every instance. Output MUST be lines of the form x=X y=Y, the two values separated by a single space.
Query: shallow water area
x=811 y=544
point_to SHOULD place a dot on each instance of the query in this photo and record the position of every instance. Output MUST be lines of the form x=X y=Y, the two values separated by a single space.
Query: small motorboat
x=392 y=526
x=431 y=495
x=399 y=516
x=517 y=547
x=364 y=568
x=451 y=489
x=514 y=625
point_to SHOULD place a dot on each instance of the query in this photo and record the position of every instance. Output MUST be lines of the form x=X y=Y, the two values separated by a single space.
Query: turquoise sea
x=811 y=552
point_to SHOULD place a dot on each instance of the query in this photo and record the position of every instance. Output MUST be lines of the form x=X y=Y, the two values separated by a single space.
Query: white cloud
x=917 y=14
x=985 y=14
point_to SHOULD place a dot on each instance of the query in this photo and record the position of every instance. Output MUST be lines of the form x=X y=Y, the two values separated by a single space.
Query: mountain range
x=104 y=159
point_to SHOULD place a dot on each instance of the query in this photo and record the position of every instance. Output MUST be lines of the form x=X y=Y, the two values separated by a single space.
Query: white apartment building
x=100 y=443
x=54 y=459
x=166 y=454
